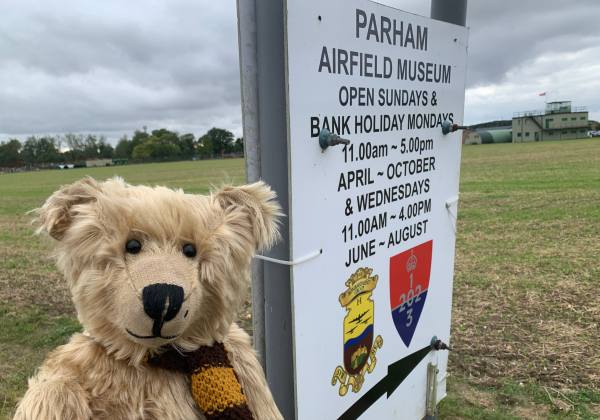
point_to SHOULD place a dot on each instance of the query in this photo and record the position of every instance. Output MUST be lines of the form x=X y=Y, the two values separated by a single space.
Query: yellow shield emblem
x=359 y=346
x=358 y=330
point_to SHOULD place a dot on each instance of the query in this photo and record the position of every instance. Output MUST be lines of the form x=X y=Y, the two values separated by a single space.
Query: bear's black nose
x=162 y=301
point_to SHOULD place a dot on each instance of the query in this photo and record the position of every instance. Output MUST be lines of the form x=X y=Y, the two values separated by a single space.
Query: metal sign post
x=262 y=70
x=306 y=120
x=451 y=11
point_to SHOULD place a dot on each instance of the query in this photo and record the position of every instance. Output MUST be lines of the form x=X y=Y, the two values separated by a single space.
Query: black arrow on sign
x=397 y=372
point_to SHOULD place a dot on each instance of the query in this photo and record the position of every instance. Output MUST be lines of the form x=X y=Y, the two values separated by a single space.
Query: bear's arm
x=53 y=397
x=250 y=374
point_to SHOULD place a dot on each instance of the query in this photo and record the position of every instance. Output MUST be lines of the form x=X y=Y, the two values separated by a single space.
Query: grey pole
x=262 y=71
x=452 y=11
x=249 y=94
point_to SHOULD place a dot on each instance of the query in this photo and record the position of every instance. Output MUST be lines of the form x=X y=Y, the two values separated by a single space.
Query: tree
x=97 y=147
x=165 y=144
x=105 y=149
x=41 y=150
x=10 y=153
x=157 y=149
x=91 y=147
x=76 y=145
x=187 y=143
x=165 y=136
x=74 y=141
x=48 y=150
x=124 y=148
x=218 y=140
x=138 y=138
x=204 y=147
x=142 y=151
x=29 y=150
x=238 y=146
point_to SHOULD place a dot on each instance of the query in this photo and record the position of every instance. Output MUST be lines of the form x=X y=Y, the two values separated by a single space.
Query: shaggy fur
x=101 y=374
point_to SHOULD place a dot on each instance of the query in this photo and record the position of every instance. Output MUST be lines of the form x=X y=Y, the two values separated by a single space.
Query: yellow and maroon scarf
x=214 y=384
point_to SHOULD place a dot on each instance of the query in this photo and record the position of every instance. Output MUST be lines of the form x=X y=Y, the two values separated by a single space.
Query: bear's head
x=149 y=267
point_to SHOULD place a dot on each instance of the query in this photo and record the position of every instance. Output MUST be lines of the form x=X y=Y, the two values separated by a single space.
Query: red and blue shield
x=409 y=281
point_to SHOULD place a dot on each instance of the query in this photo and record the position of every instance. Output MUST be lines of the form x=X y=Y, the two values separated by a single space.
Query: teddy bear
x=157 y=277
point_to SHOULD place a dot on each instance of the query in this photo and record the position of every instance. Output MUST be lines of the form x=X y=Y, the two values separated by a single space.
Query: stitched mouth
x=167 y=337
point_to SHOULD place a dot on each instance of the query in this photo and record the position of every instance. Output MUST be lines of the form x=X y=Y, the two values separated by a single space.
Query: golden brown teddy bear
x=157 y=277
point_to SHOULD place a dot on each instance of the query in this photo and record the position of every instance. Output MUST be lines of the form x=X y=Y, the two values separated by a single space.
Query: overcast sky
x=113 y=66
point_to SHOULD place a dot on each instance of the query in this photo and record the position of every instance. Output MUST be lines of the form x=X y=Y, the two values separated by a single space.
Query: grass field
x=526 y=306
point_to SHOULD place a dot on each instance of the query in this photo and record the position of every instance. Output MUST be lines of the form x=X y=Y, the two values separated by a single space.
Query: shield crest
x=360 y=347
x=409 y=281
x=358 y=322
x=358 y=333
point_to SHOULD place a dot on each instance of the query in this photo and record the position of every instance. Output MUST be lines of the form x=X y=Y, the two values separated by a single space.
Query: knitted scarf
x=214 y=384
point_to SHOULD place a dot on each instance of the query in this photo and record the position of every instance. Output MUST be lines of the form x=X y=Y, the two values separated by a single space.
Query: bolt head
x=324 y=136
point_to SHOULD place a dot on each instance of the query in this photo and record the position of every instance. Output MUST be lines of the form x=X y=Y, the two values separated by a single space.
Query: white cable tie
x=449 y=203
x=297 y=261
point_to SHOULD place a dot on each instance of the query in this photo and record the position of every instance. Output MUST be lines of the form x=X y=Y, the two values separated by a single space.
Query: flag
x=542 y=94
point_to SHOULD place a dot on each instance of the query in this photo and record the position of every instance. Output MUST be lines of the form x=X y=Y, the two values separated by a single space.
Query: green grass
x=516 y=400
x=526 y=303
x=23 y=191
x=526 y=309
x=26 y=336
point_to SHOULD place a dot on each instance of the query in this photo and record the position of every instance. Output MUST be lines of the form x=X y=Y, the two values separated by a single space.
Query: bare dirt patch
x=531 y=412
x=474 y=396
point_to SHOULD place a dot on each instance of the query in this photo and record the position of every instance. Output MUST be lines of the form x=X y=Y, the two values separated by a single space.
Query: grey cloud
x=113 y=66
x=504 y=35
x=110 y=66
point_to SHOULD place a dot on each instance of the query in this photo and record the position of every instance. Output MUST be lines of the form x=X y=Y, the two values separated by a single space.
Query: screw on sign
x=326 y=139
x=448 y=127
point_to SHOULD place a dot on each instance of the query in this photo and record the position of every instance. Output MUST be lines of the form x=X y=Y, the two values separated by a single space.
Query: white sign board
x=382 y=209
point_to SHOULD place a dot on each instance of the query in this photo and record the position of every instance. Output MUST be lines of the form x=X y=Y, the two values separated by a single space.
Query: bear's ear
x=56 y=215
x=256 y=202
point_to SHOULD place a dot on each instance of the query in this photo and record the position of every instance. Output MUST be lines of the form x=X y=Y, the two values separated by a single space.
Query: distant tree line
x=157 y=145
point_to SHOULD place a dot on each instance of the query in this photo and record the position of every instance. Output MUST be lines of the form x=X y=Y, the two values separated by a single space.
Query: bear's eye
x=189 y=250
x=133 y=246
